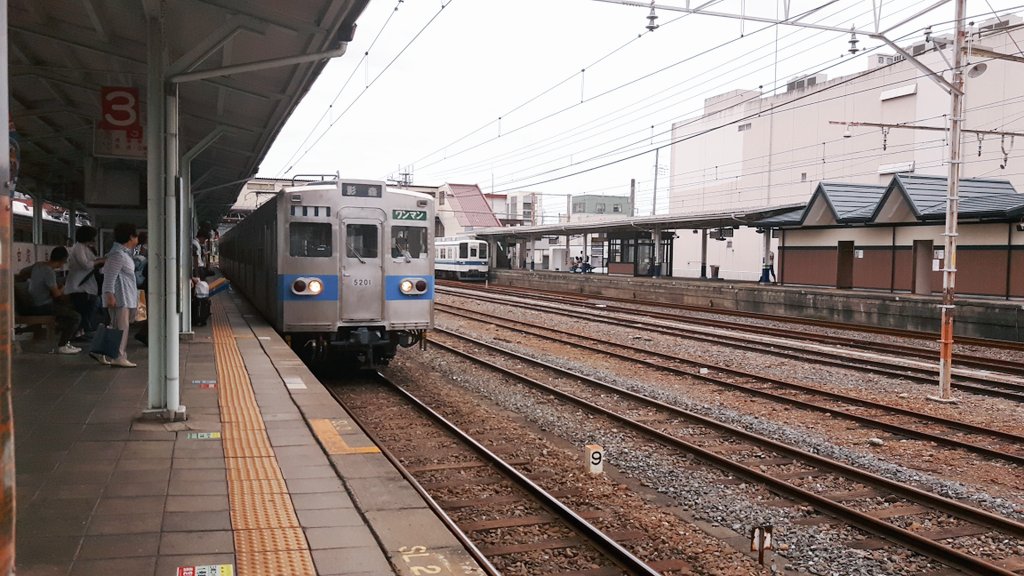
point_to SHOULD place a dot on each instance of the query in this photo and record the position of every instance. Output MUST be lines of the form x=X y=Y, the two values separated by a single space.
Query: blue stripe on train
x=284 y=288
x=462 y=262
x=392 y=292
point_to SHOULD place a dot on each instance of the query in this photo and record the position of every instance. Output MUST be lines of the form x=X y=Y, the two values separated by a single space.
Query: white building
x=755 y=150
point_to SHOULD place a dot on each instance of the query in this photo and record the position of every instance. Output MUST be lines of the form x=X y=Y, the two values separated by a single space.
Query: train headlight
x=412 y=286
x=307 y=286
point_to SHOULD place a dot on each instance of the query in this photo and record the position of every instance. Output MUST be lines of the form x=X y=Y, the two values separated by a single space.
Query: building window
x=578 y=207
x=600 y=207
x=743 y=127
x=803 y=176
x=616 y=208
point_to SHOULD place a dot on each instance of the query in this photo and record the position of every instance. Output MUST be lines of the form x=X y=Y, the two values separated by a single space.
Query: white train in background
x=461 y=258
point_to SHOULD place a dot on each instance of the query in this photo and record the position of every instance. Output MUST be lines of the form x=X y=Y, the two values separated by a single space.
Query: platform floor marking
x=267 y=536
x=328 y=435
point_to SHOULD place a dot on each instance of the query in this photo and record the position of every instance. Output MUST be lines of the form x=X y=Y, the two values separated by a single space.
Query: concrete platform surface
x=267 y=477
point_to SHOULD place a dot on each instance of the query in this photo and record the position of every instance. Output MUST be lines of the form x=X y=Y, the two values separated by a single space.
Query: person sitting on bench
x=48 y=299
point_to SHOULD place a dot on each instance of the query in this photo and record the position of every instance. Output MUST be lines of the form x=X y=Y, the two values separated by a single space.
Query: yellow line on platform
x=333 y=443
x=267 y=535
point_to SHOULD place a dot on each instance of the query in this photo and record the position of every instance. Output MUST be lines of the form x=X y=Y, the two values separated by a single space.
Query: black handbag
x=107 y=342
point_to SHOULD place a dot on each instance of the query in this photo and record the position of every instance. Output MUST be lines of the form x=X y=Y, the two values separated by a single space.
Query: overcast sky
x=435 y=110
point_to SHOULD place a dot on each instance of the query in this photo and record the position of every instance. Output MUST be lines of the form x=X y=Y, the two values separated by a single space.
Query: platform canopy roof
x=732 y=219
x=907 y=198
x=979 y=198
x=64 y=52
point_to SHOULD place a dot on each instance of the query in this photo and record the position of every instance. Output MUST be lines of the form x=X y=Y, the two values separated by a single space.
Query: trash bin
x=714 y=272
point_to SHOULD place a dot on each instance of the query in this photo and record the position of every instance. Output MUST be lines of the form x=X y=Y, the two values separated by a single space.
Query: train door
x=362 y=268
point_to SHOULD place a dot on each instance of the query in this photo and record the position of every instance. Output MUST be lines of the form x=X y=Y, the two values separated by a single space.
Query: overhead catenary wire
x=669 y=143
x=575 y=161
x=366 y=56
x=374 y=80
x=548 y=90
x=600 y=94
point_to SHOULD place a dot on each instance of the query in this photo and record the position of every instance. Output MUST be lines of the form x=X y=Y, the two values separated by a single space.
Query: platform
x=976 y=317
x=268 y=476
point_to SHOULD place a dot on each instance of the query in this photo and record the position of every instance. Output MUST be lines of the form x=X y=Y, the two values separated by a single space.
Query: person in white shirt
x=81 y=285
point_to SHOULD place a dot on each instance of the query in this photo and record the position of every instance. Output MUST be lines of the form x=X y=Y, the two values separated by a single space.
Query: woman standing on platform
x=81 y=285
x=120 y=293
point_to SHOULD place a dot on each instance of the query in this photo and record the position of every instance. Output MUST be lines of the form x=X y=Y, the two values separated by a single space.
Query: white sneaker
x=68 y=349
x=123 y=363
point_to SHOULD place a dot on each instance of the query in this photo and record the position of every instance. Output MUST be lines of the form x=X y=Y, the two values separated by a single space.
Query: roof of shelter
x=473 y=211
x=698 y=221
x=979 y=198
x=924 y=195
x=848 y=202
x=62 y=54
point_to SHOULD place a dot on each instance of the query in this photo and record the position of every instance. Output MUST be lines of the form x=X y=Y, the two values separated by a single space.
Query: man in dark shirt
x=48 y=298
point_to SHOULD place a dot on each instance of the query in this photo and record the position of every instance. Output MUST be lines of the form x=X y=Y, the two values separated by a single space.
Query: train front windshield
x=409 y=241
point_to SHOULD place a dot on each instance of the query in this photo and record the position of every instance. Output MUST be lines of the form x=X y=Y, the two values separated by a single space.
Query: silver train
x=341 y=267
x=461 y=258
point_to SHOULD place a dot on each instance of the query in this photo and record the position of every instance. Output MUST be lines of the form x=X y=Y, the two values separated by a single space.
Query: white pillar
x=155 y=209
x=172 y=382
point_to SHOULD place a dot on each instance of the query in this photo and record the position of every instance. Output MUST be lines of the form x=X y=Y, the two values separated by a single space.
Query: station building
x=753 y=149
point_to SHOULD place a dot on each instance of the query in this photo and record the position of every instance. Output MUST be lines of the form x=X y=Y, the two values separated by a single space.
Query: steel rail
x=803 y=388
x=963 y=360
x=931 y=336
x=624 y=558
x=445 y=519
x=900 y=536
x=920 y=375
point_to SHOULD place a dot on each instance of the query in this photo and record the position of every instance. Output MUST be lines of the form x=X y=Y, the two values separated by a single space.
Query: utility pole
x=632 y=197
x=955 y=89
x=654 y=202
x=952 y=212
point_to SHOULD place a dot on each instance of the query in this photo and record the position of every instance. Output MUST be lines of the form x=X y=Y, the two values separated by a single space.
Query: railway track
x=987 y=442
x=567 y=297
x=892 y=511
x=477 y=493
x=992 y=383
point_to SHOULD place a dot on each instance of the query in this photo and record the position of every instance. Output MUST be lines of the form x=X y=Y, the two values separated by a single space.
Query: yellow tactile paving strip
x=332 y=441
x=268 y=539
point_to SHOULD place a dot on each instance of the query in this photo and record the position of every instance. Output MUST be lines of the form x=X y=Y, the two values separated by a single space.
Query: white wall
x=781 y=157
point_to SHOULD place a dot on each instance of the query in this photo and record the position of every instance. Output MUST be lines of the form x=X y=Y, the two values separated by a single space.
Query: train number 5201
x=362 y=282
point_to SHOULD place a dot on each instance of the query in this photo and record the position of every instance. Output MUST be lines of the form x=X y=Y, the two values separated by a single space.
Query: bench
x=42 y=327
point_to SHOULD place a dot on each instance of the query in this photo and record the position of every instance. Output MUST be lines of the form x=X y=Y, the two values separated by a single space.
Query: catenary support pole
x=952 y=212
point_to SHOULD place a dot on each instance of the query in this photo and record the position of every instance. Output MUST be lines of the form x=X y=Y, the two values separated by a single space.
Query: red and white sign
x=119 y=131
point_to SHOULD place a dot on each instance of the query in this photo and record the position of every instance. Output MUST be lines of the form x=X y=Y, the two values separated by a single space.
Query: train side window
x=409 y=241
x=309 y=239
x=361 y=241
x=463 y=249
x=483 y=251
